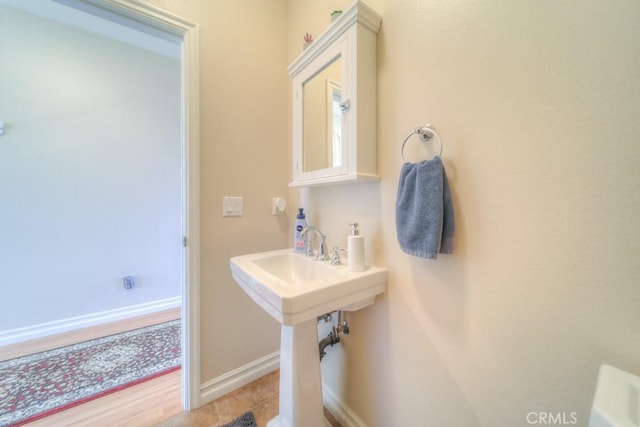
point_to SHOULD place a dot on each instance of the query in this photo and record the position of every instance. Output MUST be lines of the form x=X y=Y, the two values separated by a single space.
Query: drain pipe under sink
x=334 y=335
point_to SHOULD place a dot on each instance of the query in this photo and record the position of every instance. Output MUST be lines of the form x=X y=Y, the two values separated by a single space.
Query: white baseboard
x=243 y=375
x=235 y=379
x=51 y=328
x=342 y=413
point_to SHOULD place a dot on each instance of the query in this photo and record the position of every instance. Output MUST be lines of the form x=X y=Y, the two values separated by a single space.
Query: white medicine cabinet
x=334 y=102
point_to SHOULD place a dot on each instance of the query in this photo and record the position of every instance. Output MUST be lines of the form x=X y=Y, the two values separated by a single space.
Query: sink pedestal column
x=300 y=381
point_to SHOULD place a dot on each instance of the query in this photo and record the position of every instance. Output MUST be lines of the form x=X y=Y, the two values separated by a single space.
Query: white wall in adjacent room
x=90 y=172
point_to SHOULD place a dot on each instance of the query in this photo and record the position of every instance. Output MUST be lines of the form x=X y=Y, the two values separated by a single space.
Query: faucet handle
x=308 y=251
x=335 y=257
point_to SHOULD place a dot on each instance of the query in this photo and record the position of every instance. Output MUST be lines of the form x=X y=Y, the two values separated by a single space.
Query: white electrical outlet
x=128 y=282
x=278 y=206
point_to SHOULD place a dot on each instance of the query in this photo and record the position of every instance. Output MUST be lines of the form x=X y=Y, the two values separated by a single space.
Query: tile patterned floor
x=260 y=397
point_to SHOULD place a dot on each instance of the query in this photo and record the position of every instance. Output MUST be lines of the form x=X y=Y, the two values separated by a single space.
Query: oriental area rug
x=37 y=385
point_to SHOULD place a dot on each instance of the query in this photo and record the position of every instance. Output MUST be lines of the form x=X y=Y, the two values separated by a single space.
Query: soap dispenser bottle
x=298 y=241
x=355 y=249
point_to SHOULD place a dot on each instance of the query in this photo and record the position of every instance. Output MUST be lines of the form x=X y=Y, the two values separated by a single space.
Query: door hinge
x=184 y=241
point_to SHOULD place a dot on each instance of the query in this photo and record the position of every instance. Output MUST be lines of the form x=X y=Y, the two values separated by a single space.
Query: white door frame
x=176 y=26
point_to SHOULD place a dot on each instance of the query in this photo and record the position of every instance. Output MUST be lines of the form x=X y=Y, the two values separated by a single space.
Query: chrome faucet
x=322 y=244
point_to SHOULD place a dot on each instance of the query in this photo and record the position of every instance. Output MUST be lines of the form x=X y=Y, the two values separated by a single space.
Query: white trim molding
x=238 y=377
x=145 y=17
x=233 y=380
x=357 y=12
x=41 y=330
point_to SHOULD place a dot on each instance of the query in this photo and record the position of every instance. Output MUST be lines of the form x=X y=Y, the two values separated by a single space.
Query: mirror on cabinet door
x=334 y=122
x=322 y=119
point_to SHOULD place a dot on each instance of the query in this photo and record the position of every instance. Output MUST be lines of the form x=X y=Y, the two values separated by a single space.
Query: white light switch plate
x=232 y=206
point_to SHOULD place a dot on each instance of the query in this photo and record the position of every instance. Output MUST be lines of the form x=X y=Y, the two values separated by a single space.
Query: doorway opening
x=155 y=30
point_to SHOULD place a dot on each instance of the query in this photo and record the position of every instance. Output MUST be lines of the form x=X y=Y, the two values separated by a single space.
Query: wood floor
x=156 y=402
x=143 y=405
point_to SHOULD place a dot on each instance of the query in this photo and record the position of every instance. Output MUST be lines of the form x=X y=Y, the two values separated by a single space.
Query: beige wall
x=537 y=103
x=243 y=152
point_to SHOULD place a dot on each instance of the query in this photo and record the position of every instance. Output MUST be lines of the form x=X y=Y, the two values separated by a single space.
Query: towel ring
x=425 y=133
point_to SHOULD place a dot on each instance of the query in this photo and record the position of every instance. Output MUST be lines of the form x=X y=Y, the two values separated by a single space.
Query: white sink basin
x=294 y=288
x=616 y=402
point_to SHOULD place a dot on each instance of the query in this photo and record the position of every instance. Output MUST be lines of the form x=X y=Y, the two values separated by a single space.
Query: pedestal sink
x=295 y=290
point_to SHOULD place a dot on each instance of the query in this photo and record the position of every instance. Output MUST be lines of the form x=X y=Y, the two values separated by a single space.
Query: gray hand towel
x=424 y=209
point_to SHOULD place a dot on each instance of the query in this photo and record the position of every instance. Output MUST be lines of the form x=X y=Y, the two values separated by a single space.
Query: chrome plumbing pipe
x=334 y=335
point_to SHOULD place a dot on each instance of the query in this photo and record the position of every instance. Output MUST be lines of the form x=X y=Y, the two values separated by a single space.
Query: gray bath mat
x=244 y=420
